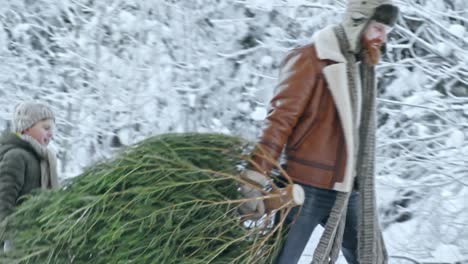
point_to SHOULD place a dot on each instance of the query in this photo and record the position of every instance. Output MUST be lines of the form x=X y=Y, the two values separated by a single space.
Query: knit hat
x=360 y=12
x=29 y=113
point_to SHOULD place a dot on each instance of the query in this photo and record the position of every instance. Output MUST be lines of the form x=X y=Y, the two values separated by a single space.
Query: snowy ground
x=398 y=240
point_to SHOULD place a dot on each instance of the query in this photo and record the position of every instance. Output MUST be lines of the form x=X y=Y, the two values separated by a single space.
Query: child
x=25 y=161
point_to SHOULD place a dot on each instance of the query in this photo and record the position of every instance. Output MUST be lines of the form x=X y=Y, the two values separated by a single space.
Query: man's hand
x=253 y=208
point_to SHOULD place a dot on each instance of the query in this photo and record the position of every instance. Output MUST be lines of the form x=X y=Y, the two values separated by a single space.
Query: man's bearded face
x=373 y=38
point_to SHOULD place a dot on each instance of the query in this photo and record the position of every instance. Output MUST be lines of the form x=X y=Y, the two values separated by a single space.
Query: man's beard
x=371 y=54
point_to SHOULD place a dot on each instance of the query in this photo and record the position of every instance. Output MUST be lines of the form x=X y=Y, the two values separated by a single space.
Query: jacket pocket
x=317 y=105
x=298 y=139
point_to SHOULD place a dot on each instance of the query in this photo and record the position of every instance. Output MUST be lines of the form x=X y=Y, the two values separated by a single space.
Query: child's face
x=42 y=131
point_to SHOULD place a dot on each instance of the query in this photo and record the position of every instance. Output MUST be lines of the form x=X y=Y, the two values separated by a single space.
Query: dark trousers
x=316 y=209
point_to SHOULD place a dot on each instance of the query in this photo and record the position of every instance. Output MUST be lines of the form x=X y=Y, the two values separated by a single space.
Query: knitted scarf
x=49 y=179
x=371 y=248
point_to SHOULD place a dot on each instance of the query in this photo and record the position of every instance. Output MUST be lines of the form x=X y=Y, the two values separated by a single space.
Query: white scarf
x=48 y=162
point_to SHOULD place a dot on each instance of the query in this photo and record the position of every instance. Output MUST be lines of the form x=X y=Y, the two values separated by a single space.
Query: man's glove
x=253 y=208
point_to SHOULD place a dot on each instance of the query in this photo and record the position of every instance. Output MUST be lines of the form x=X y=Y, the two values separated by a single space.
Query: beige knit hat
x=29 y=113
x=360 y=12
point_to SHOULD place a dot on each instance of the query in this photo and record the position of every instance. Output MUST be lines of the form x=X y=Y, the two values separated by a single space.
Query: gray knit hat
x=360 y=12
x=29 y=113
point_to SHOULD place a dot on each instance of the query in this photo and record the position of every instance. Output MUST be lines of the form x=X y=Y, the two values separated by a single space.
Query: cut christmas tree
x=168 y=199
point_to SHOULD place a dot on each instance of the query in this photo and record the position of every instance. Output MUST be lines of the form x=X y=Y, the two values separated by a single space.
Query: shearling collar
x=327 y=45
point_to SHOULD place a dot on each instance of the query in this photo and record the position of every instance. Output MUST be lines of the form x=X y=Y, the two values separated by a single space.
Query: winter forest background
x=118 y=71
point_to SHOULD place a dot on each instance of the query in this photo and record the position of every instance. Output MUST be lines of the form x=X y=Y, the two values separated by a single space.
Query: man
x=26 y=163
x=323 y=113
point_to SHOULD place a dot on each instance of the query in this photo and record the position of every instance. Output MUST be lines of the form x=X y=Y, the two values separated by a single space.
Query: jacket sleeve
x=297 y=78
x=12 y=169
